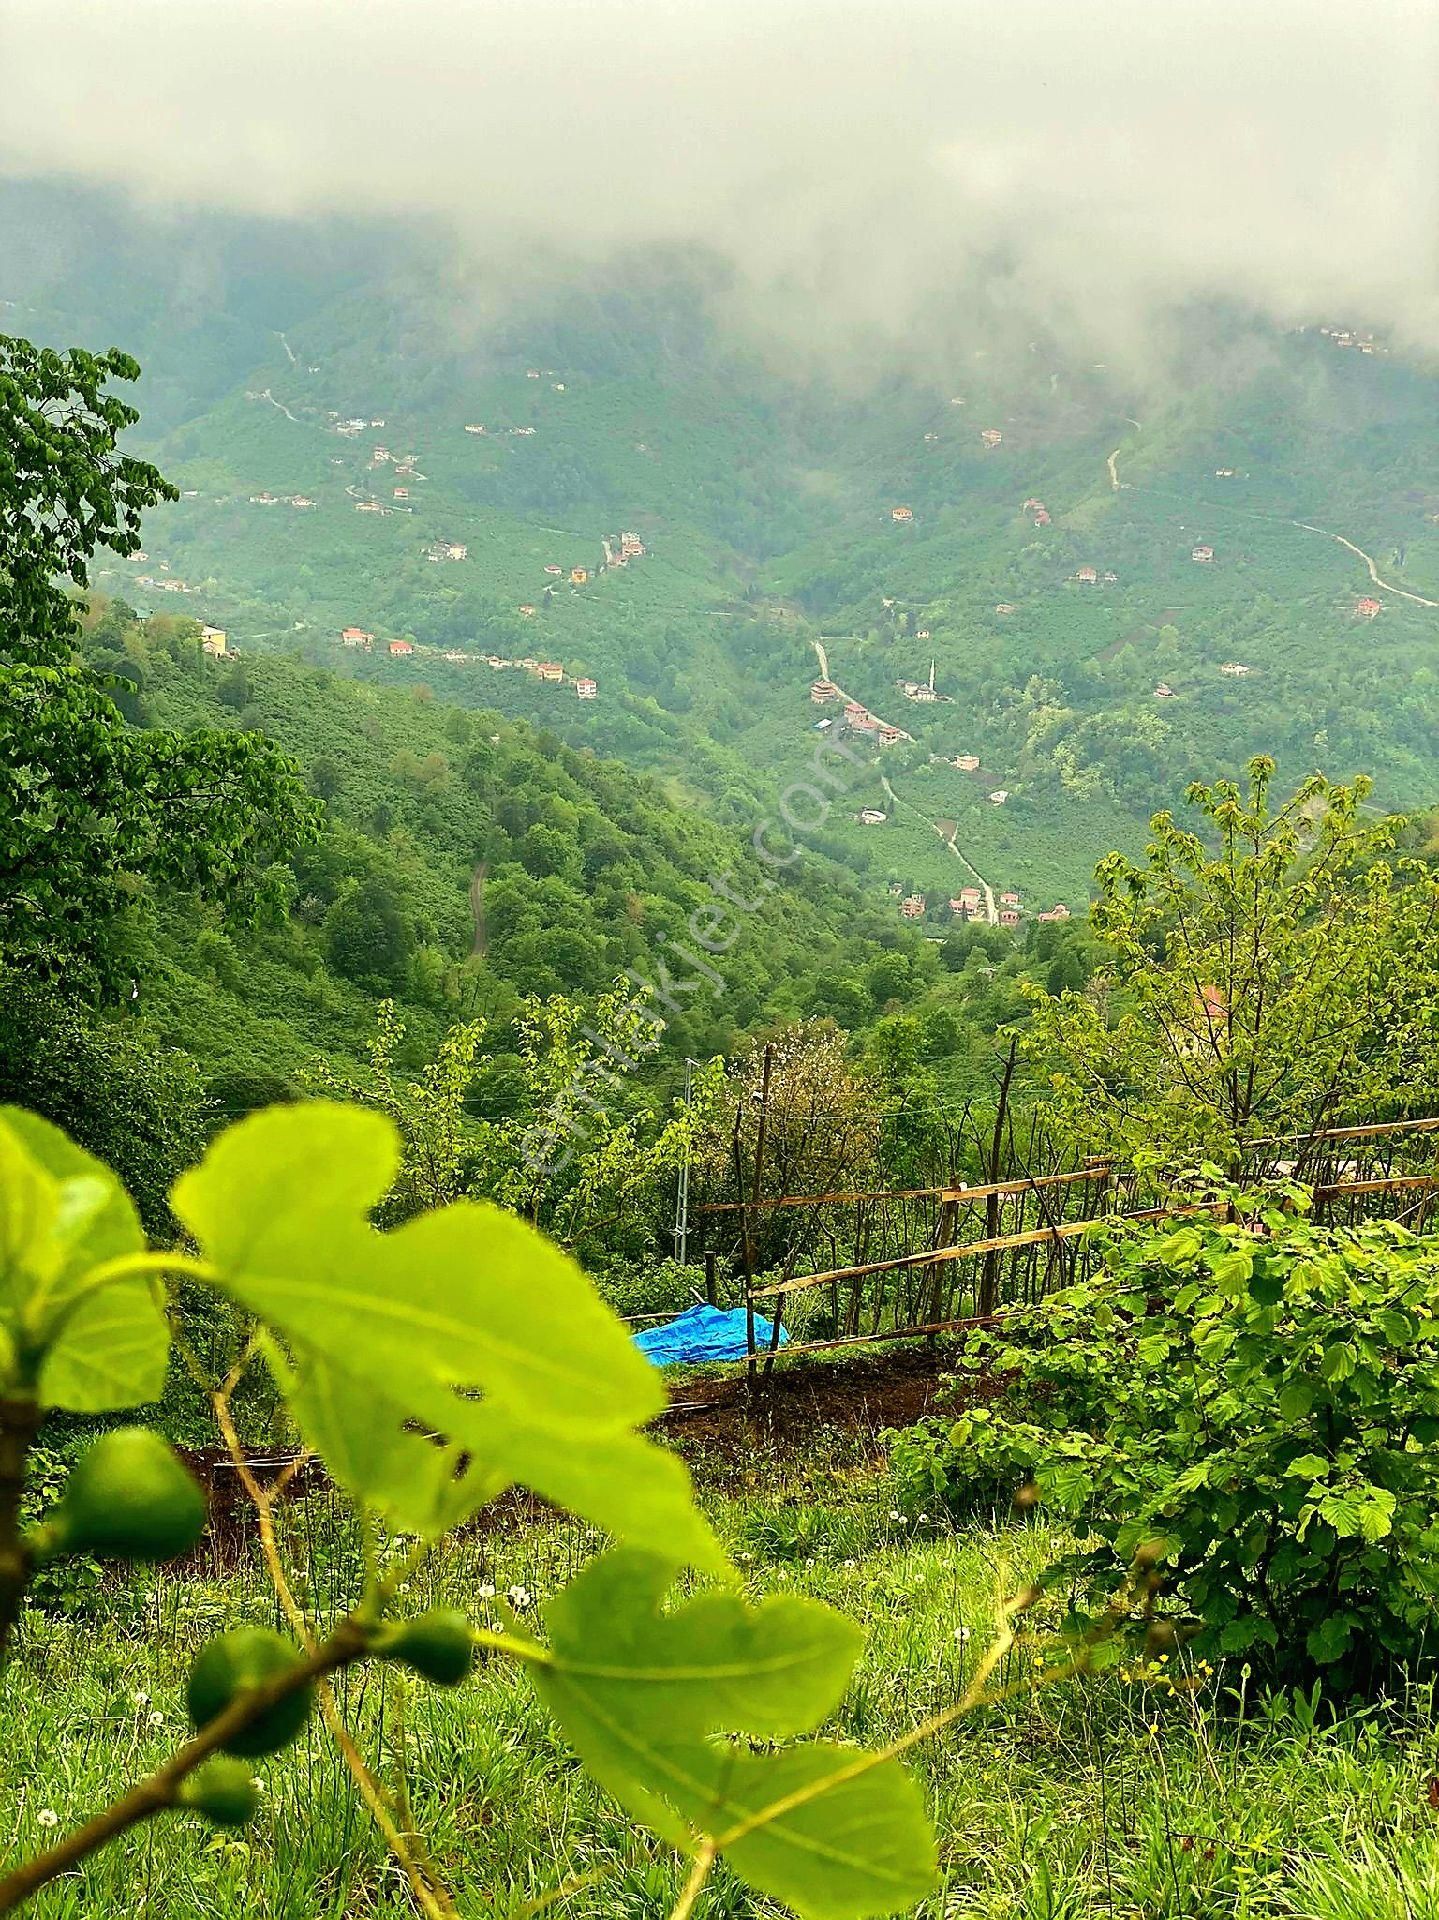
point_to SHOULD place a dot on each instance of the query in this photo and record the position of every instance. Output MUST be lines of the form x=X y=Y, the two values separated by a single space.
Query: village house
x=1235 y=670
x=401 y=647
x=966 y=762
x=553 y=569
x=999 y=796
x=356 y=637
x=402 y=493
x=586 y=689
x=1163 y=691
x=212 y=641
x=631 y=547
x=822 y=690
x=1203 y=555
x=550 y=671
x=1010 y=899
x=1086 y=576
x=1009 y=917
x=991 y=436
x=526 y=612
x=1004 y=607
x=923 y=634
x=1053 y=914
x=901 y=514
x=889 y=735
x=957 y=907
x=870 y=817
x=913 y=907
x=1367 y=608
x=1041 y=517
x=895 y=889
x=579 y=576
x=379 y=456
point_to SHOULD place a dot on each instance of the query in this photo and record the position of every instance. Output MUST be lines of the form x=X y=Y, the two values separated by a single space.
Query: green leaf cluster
x=1253 y=1402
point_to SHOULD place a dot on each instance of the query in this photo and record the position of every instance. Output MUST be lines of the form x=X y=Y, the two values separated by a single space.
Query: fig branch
x=160 y=1790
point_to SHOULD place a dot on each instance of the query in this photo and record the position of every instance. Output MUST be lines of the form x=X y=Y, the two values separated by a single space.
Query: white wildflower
x=47 y=1817
x=961 y=1633
x=257 y=1783
x=157 y=1719
x=487 y=1592
x=895 y=1514
x=517 y=1595
x=142 y=1699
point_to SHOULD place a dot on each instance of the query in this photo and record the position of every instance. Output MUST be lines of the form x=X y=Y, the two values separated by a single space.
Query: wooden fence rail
x=859 y=1266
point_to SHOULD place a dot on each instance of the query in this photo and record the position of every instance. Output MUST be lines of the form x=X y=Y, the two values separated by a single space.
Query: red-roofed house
x=1367 y=608
x=401 y=647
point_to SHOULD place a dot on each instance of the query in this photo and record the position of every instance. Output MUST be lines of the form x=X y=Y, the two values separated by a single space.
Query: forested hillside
x=468 y=860
x=1123 y=577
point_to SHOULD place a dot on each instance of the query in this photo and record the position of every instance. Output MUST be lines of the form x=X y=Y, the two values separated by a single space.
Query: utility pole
x=682 y=1190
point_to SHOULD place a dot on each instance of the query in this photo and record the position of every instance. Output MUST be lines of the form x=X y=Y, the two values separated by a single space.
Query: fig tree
x=237 y=1663
x=128 y=1498
x=439 y=1645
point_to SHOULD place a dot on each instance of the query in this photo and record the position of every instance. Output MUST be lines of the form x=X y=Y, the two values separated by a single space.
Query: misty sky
x=848 y=160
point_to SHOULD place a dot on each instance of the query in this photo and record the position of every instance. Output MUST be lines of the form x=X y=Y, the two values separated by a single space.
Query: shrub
x=1254 y=1407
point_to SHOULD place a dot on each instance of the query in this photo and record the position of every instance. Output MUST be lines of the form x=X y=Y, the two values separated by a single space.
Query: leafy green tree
x=138 y=1105
x=1269 y=971
x=369 y=938
x=93 y=812
x=65 y=488
x=1251 y=1406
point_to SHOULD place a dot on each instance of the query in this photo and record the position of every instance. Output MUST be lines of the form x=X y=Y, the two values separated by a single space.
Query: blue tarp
x=705 y=1333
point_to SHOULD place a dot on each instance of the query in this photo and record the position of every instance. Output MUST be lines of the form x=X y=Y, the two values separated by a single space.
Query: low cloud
x=1087 y=163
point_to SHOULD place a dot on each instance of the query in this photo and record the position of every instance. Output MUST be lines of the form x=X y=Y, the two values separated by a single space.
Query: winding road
x=824 y=674
x=1277 y=519
x=991 y=911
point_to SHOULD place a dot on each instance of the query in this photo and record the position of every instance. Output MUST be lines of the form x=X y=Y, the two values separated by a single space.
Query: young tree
x=65 y=488
x=1270 y=972
x=93 y=811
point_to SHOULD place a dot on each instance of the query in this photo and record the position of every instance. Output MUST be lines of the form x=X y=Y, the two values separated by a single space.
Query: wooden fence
x=851 y=1268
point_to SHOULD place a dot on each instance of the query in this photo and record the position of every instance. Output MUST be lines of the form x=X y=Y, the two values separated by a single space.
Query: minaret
x=931 y=675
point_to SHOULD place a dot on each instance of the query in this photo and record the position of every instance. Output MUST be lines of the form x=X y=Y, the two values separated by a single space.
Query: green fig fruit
x=130 y=1498
x=236 y=1663
x=223 y=1791
x=440 y=1645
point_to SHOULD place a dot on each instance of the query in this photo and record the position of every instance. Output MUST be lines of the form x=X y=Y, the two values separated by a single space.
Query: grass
x=1121 y=1799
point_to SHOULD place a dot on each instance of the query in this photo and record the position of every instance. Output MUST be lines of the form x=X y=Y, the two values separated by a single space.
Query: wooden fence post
x=711 y=1283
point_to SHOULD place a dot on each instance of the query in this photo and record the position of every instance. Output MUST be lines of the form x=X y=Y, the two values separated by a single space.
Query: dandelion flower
x=157 y=1719
x=47 y=1817
x=486 y=1592
x=517 y=1595
x=895 y=1514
